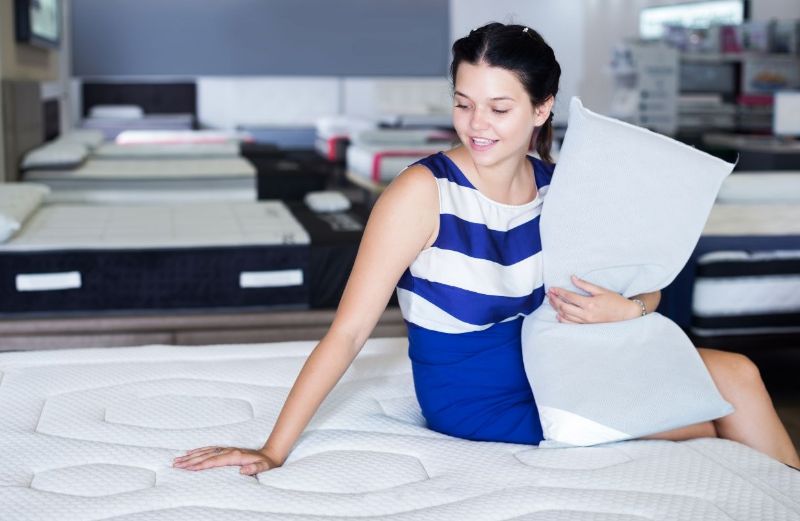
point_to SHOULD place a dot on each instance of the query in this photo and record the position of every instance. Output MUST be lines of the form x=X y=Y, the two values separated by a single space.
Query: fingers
x=570 y=297
x=196 y=457
x=198 y=453
x=201 y=449
x=570 y=313
x=209 y=457
x=255 y=468
x=588 y=287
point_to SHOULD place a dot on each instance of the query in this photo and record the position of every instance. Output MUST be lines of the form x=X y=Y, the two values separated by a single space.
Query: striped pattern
x=485 y=266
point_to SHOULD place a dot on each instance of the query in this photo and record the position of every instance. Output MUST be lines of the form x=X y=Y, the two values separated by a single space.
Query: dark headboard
x=23 y=122
x=51 y=112
x=154 y=98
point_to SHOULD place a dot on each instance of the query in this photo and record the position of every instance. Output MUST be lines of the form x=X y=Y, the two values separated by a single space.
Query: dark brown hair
x=522 y=51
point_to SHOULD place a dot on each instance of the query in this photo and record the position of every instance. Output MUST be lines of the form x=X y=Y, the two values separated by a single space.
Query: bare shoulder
x=410 y=203
x=417 y=179
x=413 y=189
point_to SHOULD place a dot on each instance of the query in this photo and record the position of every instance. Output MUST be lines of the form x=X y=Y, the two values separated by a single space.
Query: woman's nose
x=478 y=120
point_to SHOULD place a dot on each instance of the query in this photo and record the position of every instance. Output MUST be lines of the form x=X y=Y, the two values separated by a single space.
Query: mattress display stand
x=177 y=328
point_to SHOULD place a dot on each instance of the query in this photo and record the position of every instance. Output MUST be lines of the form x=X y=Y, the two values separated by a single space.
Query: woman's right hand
x=251 y=461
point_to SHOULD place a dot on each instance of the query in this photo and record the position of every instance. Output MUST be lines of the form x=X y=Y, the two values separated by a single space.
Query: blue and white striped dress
x=463 y=300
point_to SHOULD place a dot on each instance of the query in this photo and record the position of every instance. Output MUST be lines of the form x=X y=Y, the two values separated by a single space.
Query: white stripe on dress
x=479 y=275
x=469 y=205
x=425 y=314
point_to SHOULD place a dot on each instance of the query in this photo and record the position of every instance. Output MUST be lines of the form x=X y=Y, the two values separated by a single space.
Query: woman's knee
x=731 y=368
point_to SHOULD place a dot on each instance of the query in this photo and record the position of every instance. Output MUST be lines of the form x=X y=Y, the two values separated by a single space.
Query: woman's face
x=493 y=114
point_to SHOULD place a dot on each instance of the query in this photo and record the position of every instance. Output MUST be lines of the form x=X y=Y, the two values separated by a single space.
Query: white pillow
x=82 y=136
x=55 y=155
x=327 y=201
x=624 y=211
x=116 y=112
x=17 y=202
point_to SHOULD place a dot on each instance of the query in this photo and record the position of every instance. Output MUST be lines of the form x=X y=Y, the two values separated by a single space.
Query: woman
x=457 y=234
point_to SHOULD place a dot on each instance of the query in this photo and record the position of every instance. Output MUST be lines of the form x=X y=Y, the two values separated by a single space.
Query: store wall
x=259 y=38
x=19 y=62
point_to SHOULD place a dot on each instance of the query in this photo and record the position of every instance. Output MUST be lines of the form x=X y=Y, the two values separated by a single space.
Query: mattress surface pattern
x=90 y=434
x=66 y=226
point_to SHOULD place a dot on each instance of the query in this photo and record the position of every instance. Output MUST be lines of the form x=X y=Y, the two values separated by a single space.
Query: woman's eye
x=459 y=106
x=498 y=111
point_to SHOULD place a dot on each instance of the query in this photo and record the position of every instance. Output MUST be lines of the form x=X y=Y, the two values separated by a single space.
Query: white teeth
x=482 y=141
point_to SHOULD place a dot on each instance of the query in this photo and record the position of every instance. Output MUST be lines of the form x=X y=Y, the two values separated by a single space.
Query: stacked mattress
x=747 y=279
x=740 y=287
x=90 y=435
x=151 y=257
x=80 y=168
x=150 y=174
x=377 y=156
x=334 y=134
x=166 y=151
x=111 y=126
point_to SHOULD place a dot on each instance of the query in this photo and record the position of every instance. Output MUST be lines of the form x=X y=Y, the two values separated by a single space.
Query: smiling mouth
x=481 y=143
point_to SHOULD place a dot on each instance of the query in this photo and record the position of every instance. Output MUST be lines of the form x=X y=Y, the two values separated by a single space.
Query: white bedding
x=90 y=435
x=174 y=137
x=166 y=151
x=103 y=227
x=112 y=127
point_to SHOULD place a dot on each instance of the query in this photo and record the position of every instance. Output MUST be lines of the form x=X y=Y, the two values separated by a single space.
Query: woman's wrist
x=275 y=460
x=638 y=306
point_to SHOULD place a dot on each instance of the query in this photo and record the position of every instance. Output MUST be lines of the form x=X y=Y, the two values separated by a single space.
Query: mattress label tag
x=48 y=281
x=270 y=279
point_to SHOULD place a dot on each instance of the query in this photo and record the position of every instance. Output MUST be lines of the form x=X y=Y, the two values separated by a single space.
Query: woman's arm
x=602 y=305
x=401 y=224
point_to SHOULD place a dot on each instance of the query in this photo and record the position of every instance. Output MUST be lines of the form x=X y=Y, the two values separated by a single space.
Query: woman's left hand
x=602 y=305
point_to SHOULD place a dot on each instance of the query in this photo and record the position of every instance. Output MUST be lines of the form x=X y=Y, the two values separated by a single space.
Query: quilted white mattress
x=103 y=227
x=90 y=435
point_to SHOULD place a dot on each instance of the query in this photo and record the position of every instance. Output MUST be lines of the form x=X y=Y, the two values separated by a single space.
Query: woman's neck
x=509 y=181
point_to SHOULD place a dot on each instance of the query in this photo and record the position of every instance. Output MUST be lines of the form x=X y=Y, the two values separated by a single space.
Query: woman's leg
x=754 y=422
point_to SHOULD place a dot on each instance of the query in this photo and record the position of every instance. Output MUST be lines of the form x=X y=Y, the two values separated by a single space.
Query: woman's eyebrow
x=498 y=98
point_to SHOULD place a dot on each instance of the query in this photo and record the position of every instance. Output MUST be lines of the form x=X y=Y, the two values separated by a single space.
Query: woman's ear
x=542 y=111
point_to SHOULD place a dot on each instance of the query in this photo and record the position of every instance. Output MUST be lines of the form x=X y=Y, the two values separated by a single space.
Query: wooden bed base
x=185 y=328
